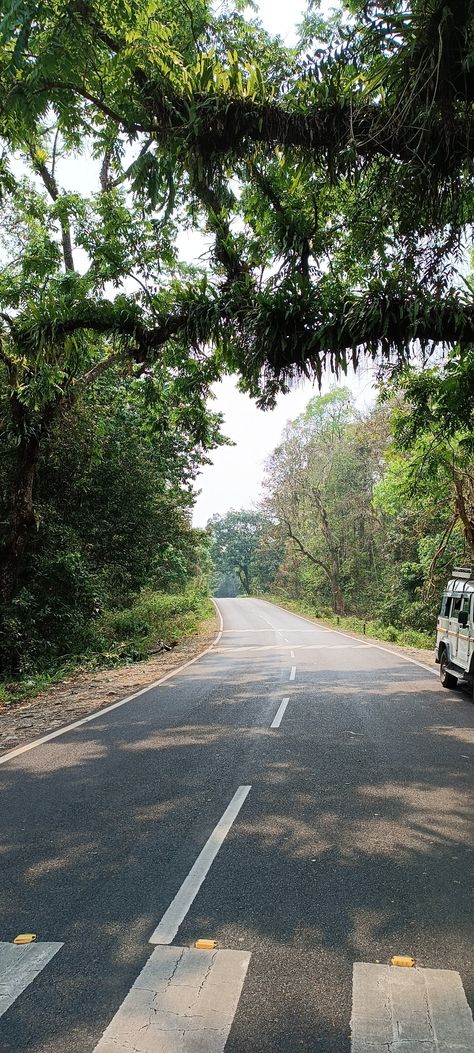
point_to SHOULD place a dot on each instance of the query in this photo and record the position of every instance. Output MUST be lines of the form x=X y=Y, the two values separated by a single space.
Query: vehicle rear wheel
x=447 y=679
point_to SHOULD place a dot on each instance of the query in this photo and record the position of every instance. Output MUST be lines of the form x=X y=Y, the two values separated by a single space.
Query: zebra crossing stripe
x=184 y=1001
x=409 y=1010
x=19 y=965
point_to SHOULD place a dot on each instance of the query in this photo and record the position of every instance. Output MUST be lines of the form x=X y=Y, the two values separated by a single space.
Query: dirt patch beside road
x=83 y=693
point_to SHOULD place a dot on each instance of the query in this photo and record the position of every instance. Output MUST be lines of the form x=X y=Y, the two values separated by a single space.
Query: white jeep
x=455 y=629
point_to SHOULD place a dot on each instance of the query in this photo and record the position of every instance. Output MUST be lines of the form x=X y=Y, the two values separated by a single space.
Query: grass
x=367 y=627
x=155 y=617
x=129 y=635
x=19 y=690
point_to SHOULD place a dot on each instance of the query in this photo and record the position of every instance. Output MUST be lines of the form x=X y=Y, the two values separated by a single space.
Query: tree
x=432 y=457
x=59 y=334
x=113 y=502
x=237 y=539
x=352 y=154
x=299 y=478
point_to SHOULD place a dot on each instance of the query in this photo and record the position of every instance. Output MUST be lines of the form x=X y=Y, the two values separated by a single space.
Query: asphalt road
x=355 y=841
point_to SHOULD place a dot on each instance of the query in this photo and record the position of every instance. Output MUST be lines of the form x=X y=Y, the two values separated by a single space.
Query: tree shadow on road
x=354 y=843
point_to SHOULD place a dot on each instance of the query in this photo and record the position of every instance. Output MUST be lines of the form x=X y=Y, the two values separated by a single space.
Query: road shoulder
x=84 y=693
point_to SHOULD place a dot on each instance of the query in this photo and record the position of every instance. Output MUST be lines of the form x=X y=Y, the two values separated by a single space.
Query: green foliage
x=241 y=548
x=154 y=618
x=373 y=510
x=115 y=638
x=334 y=181
x=375 y=629
x=351 y=153
x=113 y=505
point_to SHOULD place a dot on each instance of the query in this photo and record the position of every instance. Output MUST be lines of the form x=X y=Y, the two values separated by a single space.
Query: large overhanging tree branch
x=270 y=336
x=204 y=111
x=302 y=331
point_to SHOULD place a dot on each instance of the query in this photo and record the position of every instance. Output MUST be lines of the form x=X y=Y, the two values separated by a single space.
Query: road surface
x=353 y=843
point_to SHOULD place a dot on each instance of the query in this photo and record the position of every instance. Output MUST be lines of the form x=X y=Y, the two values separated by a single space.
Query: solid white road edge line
x=364 y=643
x=19 y=965
x=293 y=672
x=167 y=928
x=115 y=705
x=279 y=714
x=183 y=999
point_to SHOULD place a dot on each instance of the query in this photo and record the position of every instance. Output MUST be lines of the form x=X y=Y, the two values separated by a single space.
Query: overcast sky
x=233 y=480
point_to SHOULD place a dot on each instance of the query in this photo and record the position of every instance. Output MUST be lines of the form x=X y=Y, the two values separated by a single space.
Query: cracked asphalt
x=354 y=843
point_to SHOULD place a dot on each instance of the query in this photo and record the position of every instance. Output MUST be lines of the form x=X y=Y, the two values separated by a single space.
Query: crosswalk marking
x=183 y=1001
x=18 y=967
x=409 y=1010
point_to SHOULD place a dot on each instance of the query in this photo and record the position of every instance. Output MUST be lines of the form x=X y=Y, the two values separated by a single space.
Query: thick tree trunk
x=245 y=578
x=332 y=546
x=465 y=508
x=331 y=572
x=338 y=601
x=22 y=523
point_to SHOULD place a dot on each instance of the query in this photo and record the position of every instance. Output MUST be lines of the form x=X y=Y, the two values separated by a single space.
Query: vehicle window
x=446 y=606
x=456 y=607
x=466 y=604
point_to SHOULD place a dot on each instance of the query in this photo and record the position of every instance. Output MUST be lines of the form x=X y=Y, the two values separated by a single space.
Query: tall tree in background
x=431 y=461
x=113 y=503
x=307 y=480
x=239 y=545
x=59 y=334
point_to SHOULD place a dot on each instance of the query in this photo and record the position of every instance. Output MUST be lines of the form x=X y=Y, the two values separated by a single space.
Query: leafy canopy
x=335 y=179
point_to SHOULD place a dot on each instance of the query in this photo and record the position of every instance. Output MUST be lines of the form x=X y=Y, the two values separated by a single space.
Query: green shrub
x=374 y=628
x=153 y=617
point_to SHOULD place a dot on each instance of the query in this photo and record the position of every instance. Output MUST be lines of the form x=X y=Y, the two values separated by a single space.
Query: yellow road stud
x=206 y=945
x=405 y=960
x=25 y=937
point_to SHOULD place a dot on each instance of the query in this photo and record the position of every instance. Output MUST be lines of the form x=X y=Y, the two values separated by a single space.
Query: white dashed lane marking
x=166 y=931
x=19 y=965
x=293 y=672
x=409 y=1011
x=184 y=1001
x=279 y=714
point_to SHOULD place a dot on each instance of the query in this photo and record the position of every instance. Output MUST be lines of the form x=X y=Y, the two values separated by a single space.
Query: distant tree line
x=363 y=513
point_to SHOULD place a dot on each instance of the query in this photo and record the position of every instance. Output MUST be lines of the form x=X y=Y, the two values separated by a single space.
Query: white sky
x=233 y=480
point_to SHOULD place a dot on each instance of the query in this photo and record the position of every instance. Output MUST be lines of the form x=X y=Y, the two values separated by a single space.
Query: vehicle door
x=464 y=632
x=453 y=631
x=442 y=624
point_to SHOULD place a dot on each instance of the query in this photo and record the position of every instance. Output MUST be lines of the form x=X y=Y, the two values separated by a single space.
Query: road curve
x=354 y=842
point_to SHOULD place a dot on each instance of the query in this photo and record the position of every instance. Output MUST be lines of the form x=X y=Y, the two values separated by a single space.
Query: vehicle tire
x=447 y=679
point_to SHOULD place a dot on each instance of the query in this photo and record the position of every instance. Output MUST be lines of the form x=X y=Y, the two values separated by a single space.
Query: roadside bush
x=52 y=618
x=154 y=617
x=374 y=628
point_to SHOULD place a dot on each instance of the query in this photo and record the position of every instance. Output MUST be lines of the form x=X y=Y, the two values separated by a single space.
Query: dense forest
x=330 y=185
x=362 y=518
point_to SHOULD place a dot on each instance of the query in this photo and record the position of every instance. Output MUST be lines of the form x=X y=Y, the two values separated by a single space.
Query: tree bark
x=331 y=572
x=244 y=577
x=465 y=509
x=338 y=597
x=22 y=521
